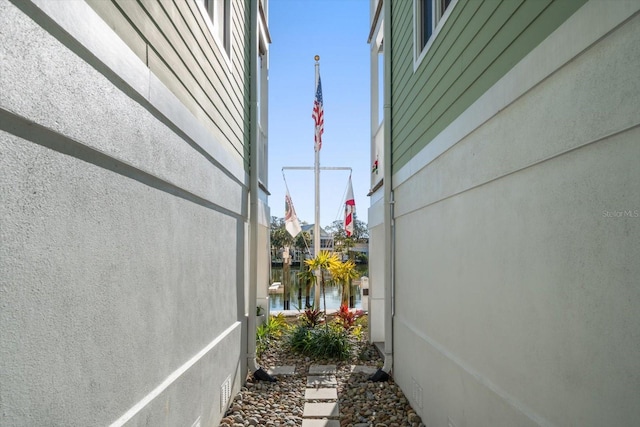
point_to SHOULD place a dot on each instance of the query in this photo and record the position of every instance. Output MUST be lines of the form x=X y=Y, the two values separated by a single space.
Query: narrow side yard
x=322 y=371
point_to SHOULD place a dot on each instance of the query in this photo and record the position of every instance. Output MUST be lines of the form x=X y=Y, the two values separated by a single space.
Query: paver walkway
x=321 y=407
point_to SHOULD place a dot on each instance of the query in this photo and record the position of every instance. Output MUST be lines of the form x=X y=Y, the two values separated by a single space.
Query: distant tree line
x=344 y=244
x=280 y=237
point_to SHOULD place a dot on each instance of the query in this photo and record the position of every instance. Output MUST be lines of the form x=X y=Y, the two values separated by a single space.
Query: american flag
x=318 y=116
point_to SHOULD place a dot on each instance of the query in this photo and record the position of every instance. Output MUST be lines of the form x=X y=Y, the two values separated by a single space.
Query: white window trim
x=214 y=32
x=377 y=99
x=418 y=55
x=378 y=48
x=263 y=119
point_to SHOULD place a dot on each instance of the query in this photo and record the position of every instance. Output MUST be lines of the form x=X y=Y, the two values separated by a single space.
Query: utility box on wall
x=364 y=293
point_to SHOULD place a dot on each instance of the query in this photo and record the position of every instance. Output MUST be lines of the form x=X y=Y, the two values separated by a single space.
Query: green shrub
x=362 y=321
x=332 y=342
x=299 y=339
x=356 y=331
x=273 y=328
x=262 y=339
x=277 y=325
x=329 y=342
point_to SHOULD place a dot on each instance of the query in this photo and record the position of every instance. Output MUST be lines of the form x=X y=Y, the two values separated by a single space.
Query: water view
x=298 y=294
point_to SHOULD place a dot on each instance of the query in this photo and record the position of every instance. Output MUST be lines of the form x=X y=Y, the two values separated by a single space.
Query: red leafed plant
x=345 y=317
x=310 y=318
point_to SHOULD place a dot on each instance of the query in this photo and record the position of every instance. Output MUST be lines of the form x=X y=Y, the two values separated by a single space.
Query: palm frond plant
x=323 y=262
x=343 y=273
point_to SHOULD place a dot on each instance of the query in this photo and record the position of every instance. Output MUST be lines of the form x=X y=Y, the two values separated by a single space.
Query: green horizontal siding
x=242 y=66
x=478 y=44
x=174 y=41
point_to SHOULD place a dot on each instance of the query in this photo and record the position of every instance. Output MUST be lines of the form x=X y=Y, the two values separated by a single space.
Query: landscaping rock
x=361 y=402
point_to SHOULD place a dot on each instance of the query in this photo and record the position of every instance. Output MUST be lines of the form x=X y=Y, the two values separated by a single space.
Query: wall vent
x=225 y=394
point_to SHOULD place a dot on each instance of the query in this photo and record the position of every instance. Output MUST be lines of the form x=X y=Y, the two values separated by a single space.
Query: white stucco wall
x=377 y=265
x=122 y=247
x=517 y=274
x=264 y=261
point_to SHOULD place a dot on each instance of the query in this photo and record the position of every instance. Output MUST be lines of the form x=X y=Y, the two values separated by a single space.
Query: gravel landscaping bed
x=361 y=402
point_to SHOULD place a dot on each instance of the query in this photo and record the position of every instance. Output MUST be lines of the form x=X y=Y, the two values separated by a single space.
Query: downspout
x=389 y=225
x=252 y=363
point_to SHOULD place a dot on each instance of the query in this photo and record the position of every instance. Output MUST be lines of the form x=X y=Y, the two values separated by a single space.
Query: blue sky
x=336 y=30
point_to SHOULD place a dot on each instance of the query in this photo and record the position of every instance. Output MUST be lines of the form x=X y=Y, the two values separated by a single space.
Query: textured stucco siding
x=264 y=258
x=123 y=239
x=174 y=39
x=377 y=265
x=516 y=271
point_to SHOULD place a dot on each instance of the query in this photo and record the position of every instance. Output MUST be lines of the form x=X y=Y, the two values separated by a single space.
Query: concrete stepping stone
x=322 y=369
x=321 y=423
x=362 y=369
x=321 y=381
x=321 y=410
x=321 y=394
x=282 y=370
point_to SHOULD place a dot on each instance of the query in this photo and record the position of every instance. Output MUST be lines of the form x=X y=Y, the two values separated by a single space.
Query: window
x=263 y=141
x=376 y=39
x=380 y=93
x=426 y=21
x=428 y=18
x=263 y=97
x=219 y=13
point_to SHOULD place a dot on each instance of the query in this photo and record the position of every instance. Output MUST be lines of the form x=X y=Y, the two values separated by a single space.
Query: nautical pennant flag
x=318 y=116
x=291 y=222
x=349 y=210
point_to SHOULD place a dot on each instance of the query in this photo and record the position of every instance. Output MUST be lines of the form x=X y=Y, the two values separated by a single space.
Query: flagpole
x=316 y=227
